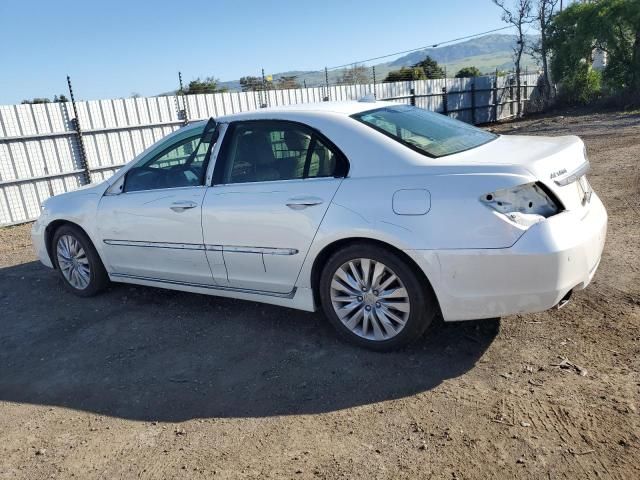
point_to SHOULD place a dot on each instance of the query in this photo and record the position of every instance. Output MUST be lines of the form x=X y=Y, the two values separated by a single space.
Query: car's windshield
x=427 y=132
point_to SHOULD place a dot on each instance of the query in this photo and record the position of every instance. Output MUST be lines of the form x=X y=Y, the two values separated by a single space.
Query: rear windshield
x=429 y=133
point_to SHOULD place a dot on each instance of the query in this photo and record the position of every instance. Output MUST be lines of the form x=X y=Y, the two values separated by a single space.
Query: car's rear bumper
x=551 y=259
x=39 y=245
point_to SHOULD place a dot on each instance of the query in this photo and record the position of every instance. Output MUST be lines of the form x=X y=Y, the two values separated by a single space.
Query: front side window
x=261 y=151
x=180 y=165
x=429 y=133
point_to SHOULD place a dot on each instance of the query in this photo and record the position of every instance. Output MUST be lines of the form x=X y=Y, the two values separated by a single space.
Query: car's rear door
x=273 y=182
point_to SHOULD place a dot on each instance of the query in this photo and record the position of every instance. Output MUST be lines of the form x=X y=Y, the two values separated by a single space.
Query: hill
x=498 y=45
x=487 y=53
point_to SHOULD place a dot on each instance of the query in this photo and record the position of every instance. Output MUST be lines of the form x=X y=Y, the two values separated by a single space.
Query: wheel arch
x=326 y=252
x=50 y=231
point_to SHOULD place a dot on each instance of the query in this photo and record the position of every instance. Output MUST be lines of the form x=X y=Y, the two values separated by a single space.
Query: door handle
x=303 y=202
x=182 y=206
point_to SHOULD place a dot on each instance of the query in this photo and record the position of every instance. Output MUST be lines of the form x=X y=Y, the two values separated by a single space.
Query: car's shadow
x=149 y=354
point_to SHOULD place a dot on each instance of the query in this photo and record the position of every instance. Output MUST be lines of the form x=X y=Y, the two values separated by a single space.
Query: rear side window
x=262 y=151
x=429 y=133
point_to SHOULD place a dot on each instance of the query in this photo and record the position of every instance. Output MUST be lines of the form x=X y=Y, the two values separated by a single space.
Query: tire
x=81 y=257
x=390 y=322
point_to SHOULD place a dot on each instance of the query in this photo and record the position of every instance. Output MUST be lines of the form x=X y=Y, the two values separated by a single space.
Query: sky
x=114 y=48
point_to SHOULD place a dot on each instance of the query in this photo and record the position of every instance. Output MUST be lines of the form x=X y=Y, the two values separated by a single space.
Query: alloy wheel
x=370 y=299
x=73 y=262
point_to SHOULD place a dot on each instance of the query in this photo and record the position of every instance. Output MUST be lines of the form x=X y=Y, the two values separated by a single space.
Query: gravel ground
x=148 y=383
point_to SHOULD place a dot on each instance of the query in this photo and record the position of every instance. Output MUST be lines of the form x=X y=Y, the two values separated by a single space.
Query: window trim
x=342 y=163
x=358 y=118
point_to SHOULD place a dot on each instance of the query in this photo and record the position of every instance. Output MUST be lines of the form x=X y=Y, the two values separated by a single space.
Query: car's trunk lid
x=559 y=163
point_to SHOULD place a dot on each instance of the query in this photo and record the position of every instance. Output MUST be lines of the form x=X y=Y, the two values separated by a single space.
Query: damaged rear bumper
x=550 y=260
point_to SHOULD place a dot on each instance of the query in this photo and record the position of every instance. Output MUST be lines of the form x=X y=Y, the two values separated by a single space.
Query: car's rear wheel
x=78 y=262
x=374 y=298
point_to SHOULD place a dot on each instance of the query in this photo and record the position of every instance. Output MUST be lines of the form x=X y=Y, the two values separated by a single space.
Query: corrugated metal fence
x=41 y=152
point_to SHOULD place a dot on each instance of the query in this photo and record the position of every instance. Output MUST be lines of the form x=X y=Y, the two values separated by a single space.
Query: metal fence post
x=326 y=85
x=495 y=97
x=412 y=100
x=526 y=88
x=373 y=68
x=445 y=100
x=265 y=103
x=511 y=81
x=185 y=107
x=76 y=124
x=473 y=102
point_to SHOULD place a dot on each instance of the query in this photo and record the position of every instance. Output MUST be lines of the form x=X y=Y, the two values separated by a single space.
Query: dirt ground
x=146 y=383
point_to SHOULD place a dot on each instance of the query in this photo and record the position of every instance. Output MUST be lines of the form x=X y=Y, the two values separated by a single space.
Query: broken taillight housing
x=524 y=205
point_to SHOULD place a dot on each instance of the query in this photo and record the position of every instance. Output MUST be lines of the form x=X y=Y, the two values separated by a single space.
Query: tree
x=517 y=14
x=358 y=74
x=612 y=26
x=254 y=84
x=36 y=100
x=405 y=73
x=208 y=85
x=468 y=72
x=431 y=68
x=424 y=70
x=286 y=82
x=543 y=13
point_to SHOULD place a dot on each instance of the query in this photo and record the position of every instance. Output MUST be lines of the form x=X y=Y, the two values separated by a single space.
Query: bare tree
x=357 y=74
x=518 y=14
x=542 y=15
x=285 y=82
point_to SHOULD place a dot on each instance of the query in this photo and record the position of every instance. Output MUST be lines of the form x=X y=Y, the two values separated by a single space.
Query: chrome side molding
x=208 y=247
x=136 y=243
x=262 y=250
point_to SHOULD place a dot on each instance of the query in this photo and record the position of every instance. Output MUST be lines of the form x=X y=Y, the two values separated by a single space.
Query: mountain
x=487 y=53
x=489 y=45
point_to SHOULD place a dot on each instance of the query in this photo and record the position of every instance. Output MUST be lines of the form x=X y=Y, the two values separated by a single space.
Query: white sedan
x=383 y=215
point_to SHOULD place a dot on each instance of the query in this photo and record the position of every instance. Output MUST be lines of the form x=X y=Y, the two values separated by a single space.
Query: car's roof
x=293 y=112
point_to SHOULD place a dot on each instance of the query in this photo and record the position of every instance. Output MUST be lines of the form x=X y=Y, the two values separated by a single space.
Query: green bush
x=468 y=72
x=582 y=86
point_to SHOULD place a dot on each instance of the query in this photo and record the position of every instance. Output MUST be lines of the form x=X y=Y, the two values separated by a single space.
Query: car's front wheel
x=374 y=298
x=78 y=261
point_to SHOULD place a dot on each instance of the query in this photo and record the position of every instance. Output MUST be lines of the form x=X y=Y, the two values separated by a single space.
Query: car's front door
x=273 y=182
x=151 y=228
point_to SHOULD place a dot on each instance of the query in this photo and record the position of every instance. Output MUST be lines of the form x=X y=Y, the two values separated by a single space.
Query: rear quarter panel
x=363 y=208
